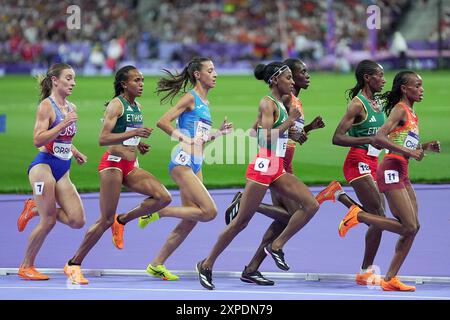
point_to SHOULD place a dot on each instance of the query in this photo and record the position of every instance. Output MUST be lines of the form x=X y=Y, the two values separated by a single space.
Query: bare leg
x=251 y=198
x=181 y=231
x=204 y=209
x=289 y=186
x=145 y=183
x=403 y=205
x=110 y=187
x=372 y=201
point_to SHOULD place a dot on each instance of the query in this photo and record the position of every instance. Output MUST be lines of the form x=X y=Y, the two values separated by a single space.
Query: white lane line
x=386 y=296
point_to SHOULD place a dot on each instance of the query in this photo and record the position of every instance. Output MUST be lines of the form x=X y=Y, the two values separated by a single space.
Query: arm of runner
x=340 y=137
x=113 y=111
x=165 y=122
x=42 y=135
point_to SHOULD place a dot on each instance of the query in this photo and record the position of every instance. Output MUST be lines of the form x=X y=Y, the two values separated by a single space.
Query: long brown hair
x=175 y=82
x=45 y=81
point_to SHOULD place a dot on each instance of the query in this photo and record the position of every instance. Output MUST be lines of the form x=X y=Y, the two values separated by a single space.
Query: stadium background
x=330 y=36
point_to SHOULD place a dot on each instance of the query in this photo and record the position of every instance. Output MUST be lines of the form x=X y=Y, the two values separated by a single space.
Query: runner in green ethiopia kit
x=122 y=131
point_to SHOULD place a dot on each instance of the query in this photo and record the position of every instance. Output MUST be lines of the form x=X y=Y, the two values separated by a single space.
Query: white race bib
x=282 y=145
x=261 y=164
x=391 y=176
x=182 y=158
x=133 y=141
x=114 y=158
x=372 y=151
x=62 y=150
x=203 y=130
x=363 y=168
x=299 y=124
x=411 y=141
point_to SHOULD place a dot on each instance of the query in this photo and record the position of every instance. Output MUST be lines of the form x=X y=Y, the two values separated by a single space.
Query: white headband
x=277 y=73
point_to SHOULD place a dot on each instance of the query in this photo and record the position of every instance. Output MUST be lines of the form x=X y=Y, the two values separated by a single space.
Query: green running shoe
x=161 y=272
x=145 y=220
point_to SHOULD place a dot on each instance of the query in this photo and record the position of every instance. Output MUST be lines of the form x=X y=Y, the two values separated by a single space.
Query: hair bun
x=260 y=71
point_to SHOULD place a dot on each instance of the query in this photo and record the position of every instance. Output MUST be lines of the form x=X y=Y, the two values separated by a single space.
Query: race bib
x=62 y=150
x=391 y=176
x=261 y=164
x=411 y=141
x=363 y=168
x=203 y=129
x=114 y=158
x=372 y=151
x=299 y=124
x=182 y=158
x=282 y=145
x=133 y=141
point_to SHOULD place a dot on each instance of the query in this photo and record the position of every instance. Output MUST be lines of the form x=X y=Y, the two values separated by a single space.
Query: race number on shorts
x=38 y=188
x=363 y=168
x=262 y=164
x=391 y=176
x=182 y=158
x=113 y=158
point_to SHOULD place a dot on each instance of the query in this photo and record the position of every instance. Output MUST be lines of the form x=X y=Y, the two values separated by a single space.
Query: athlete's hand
x=317 y=123
x=226 y=127
x=143 y=148
x=297 y=136
x=81 y=158
x=433 y=146
x=70 y=118
x=143 y=132
x=417 y=154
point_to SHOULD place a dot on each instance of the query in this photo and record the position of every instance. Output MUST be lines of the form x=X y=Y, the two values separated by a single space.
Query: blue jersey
x=196 y=122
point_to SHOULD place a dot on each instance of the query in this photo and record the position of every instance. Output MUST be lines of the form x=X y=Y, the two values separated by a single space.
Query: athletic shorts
x=393 y=173
x=288 y=158
x=358 y=164
x=266 y=168
x=58 y=166
x=181 y=158
x=109 y=161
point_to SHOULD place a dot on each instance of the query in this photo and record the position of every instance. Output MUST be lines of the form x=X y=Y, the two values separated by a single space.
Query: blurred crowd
x=36 y=31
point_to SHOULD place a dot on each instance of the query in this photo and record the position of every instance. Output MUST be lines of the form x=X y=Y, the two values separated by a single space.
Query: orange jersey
x=296 y=103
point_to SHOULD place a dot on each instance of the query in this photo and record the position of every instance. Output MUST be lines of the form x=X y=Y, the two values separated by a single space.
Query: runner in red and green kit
x=400 y=135
x=283 y=208
x=362 y=120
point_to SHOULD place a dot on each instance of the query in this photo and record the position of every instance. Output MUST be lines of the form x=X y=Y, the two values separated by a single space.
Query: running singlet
x=300 y=122
x=130 y=119
x=281 y=142
x=197 y=122
x=61 y=147
x=369 y=126
x=408 y=134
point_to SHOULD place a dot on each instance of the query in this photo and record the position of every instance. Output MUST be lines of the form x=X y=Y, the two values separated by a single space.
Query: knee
x=209 y=213
x=108 y=222
x=163 y=197
x=311 y=207
x=410 y=230
x=77 y=223
x=48 y=223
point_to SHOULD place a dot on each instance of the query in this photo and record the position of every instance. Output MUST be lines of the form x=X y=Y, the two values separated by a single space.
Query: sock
x=71 y=263
x=338 y=193
x=118 y=220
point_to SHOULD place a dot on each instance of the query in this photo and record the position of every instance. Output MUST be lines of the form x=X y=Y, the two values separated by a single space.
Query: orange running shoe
x=75 y=275
x=31 y=273
x=117 y=233
x=396 y=285
x=328 y=192
x=350 y=220
x=368 y=278
x=27 y=214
